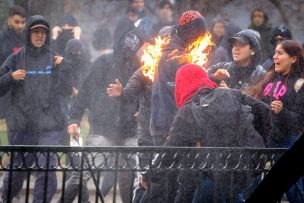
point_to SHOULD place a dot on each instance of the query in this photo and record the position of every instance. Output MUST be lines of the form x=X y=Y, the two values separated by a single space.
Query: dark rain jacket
x=138 y=88
x=185 y=131
x=10 y=42
x=240 y=77
x=74 y=52
x=163 y=107
x=93 y=96
x=34 y=102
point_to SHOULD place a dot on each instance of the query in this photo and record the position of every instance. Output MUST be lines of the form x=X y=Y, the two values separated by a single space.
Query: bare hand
x=276 y=106
x=73 y=131
x=18 y=74
x=56 y=30
x=221 y=74
x=77 y=32
x=74 y=92
x=58 y=59
x=143 y=183
x=115 y=90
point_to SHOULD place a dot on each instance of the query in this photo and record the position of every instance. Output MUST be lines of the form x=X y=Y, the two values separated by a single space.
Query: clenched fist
x=18 y=74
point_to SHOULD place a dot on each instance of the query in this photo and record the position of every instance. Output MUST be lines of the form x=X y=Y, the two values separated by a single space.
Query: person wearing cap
x=279 y=34
x=244 y=70
x=68 y=29
x=34 y=77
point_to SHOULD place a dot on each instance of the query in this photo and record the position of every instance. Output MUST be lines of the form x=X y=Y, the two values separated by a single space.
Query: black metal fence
x=92 y=163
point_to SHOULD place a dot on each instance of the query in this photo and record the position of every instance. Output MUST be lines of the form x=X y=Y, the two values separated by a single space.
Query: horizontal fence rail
x=92 y=163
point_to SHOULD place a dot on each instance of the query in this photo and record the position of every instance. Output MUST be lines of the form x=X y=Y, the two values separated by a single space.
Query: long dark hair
x=293 y=49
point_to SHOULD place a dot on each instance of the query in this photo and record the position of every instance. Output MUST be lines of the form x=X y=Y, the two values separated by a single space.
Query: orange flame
x=151 y=56
x=197 y=52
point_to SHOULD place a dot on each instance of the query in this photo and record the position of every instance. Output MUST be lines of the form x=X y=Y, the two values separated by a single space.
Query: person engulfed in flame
x=191 y=26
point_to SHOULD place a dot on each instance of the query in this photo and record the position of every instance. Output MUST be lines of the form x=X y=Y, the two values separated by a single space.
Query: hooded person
x=74 y=52
x=244 y=69
x=192 y=85
x=163 y=108
x=35 y=77
x=68 y=29
x=278 y=34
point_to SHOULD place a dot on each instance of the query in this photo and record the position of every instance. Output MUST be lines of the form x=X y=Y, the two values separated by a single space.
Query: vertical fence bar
x=98 y=181
x=116 y=176
x=80 y=177
x=46 y=177
x=28 y=181
x=63 y=186
x=10 y=177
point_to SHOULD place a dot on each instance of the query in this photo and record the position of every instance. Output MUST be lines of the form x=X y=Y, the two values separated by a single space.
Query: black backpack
x=223 y=119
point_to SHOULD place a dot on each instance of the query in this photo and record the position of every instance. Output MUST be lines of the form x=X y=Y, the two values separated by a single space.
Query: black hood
x=253 y=38
x=73 y=45
x=35 y=20
x=124 y=26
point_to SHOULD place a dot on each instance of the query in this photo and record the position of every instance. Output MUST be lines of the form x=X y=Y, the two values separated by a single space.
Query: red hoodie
x=188 y=79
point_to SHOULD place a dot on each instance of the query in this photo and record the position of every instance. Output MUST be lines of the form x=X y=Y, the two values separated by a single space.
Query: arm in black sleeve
x=213 y=69
x=64 y=84
x=262 y=114
x=293 y=118
x=135 y=85
x=6 y=79
x=82 y=100
x=184 y=130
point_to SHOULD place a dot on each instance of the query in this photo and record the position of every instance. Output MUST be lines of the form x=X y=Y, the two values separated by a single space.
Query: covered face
x=189 y=78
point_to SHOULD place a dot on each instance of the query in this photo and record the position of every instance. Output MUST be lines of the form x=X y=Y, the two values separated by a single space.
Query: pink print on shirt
x=279 y=90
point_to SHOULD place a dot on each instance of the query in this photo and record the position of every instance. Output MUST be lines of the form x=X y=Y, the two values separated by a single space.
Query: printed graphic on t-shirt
x=276 y=90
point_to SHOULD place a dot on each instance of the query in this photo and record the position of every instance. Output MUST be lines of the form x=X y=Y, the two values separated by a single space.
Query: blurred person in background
x=66 y=30
x=259 y=23
x=279 y=34
x=218 y=53
x=165 y=16
x=11 y=41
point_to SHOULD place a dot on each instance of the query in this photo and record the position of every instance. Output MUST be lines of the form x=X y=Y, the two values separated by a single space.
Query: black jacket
x=10 y=42
x=185 y=131
x=34 y=102
x=240 y=77
x=290 y=120
x=138 y=88
x=93 y=95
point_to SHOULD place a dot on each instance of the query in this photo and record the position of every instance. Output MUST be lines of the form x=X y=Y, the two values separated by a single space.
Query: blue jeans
x=210 y=191
x=294 y=193
x=27 y=138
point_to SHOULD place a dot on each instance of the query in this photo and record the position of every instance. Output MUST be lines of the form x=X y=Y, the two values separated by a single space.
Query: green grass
x=84 y=130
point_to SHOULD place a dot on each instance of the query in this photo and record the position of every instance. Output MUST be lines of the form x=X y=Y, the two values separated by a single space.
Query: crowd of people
x=249 y=94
